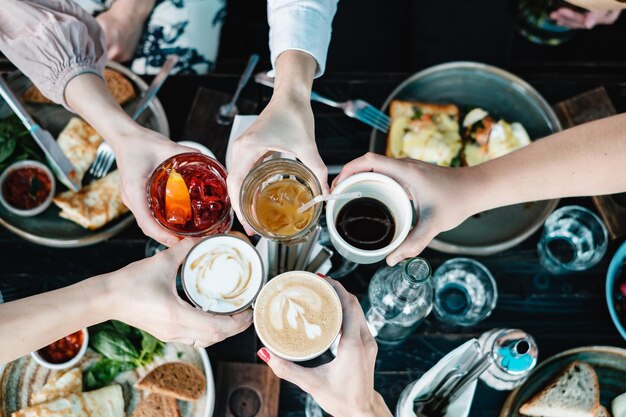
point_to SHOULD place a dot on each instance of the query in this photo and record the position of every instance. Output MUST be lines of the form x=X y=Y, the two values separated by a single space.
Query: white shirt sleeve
x=303 y=25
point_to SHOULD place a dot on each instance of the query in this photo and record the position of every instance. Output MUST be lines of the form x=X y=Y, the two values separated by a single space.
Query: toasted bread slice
x=574 y=392
x=119 y=86
x=155 y=405
x=401 y=108
x=175 y=379
x=424 y=131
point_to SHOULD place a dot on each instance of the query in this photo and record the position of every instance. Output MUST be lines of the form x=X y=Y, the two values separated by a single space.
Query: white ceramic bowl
x=65 y=365
x=381 y=188
x=27 y=164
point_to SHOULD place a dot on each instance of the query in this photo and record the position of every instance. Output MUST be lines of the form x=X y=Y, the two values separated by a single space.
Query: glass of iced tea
x=187 y=195
x=271 y=195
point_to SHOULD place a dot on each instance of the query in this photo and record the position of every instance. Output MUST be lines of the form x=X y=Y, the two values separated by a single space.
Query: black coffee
x=366 y=223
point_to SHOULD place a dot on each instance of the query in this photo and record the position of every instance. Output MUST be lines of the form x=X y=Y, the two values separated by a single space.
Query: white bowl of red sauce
x=27 y=188
x=64 y=353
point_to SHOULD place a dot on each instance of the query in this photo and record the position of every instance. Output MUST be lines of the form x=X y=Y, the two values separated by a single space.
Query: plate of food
x=463 y=114
x=582 y=382
x=72 y=219
x=123 y=372
x=616 y=289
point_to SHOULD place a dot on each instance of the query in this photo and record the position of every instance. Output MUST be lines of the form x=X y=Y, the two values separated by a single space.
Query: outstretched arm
x=300 y=33
x=582 y=161
x=31 y=323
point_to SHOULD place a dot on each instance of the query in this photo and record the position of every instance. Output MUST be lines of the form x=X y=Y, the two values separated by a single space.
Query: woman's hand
x=564 y=16
x=137 y=157
x=144 y=296
x=285 y=125
x=345 y=386
x=123 y=24
x=441 y=196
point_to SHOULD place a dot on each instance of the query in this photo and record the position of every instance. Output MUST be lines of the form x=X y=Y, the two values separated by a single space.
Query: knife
x=61 y=166
x=155 y=86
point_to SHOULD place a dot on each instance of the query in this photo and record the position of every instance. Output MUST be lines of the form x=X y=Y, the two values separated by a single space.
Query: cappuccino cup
x=297 y=315
x=223 y=274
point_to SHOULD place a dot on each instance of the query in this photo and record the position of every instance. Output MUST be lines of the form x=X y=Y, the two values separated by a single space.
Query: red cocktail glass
x=205 y=179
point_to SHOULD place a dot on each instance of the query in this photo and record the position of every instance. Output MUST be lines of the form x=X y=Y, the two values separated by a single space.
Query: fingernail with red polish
x=321 y=275
x=264 y=355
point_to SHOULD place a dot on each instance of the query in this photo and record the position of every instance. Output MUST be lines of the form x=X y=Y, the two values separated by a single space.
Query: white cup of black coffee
x=368 y=228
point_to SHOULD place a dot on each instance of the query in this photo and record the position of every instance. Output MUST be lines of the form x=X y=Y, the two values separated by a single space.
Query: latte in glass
x=297 y=315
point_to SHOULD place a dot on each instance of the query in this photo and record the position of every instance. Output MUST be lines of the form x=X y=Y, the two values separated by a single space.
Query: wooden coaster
x=589 y=106
x=246 y=390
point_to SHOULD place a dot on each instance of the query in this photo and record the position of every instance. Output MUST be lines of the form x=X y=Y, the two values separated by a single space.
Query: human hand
x=345 y=386
x=564 y=16
x=123 y=25
x=145 y=297
x=285 y=125
x=137 y=158
x=440 y=195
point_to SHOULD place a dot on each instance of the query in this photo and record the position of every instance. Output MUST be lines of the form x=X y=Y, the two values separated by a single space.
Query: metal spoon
x=227 y=112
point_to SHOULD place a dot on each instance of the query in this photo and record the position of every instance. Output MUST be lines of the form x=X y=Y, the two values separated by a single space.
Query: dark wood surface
x=586 y=107
x=560 y=312
x=246 y=390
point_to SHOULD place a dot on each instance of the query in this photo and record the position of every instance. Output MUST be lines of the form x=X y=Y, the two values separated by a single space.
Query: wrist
x=101 y=296
x=376 y=408
x=295 y=71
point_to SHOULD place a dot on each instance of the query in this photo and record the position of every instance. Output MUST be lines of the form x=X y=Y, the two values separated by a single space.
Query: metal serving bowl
x=503 y=95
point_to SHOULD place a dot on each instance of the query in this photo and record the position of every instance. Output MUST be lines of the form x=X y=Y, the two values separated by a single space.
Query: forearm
x=295 y=71
x=88 y=96
x=31 y=323
x=586 y=160
x=138 y=9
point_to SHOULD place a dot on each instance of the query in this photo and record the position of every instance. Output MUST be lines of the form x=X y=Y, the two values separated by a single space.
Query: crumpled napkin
x=428 y=382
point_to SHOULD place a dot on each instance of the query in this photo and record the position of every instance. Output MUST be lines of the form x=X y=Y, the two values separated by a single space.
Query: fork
x=357 y=109
x=104 y=155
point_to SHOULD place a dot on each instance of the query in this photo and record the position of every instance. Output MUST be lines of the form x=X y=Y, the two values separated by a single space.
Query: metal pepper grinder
x=515 y=356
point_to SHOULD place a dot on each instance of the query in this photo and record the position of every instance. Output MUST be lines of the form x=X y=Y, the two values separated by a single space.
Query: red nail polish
x=264 y=355
x=321 y=275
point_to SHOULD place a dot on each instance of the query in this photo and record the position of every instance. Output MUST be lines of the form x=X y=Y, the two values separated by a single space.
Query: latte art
x=297 y=315
x=291 y=306
x=222 y=274
x=220 y=259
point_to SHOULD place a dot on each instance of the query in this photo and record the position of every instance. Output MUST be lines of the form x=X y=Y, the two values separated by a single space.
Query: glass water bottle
x=399 y=298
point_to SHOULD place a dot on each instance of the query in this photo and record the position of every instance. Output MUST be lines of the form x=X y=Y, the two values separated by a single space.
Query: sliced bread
x=175 y=379
x=155 y=405
x=573 y=393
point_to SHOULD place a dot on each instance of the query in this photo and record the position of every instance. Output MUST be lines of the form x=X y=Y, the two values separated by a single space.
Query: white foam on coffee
x=297 y=315
x=222 y=274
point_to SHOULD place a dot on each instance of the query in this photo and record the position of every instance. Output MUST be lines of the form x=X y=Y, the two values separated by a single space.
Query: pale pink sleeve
x=51 y=41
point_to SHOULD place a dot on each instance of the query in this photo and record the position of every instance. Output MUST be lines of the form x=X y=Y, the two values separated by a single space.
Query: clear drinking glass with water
x=574 y=239
x=465 y=292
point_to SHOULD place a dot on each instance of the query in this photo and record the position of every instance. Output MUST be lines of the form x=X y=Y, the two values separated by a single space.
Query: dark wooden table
x=560 y=312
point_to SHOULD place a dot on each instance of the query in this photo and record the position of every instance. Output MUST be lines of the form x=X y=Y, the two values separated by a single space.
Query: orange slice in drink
x=177 y=200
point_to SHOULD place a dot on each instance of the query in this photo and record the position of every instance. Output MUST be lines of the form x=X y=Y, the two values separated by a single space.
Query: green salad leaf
x=123 y=348
x=15 y=144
